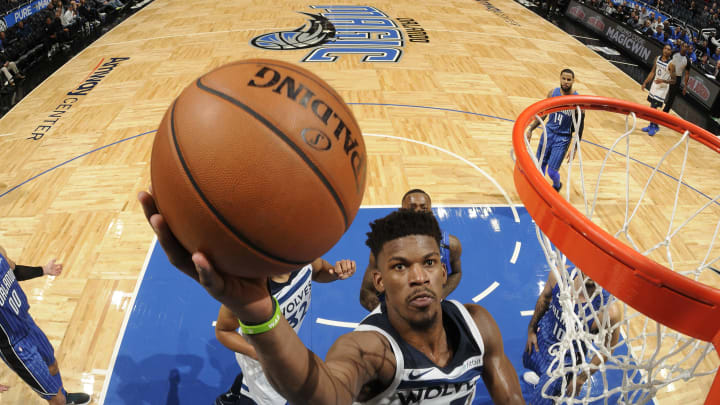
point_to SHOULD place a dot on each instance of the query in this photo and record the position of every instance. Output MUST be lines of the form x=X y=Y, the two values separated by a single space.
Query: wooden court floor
x=489 y=59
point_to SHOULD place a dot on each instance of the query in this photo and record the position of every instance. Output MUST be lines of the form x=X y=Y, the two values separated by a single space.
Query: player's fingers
x=207 y=276
x=148 y=204
x=176 y=253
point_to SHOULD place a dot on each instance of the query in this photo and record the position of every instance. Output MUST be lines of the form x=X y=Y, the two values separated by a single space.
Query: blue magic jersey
x=420 y=381
x=445 y=251
x=560 y=122
x=551 y=327
x=14 y=306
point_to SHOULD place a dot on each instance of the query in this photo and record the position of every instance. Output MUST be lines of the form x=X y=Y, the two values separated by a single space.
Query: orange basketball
x=260 y=165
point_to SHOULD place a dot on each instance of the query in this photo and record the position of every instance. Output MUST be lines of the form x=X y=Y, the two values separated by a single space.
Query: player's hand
x=684 y=91
x=528 y=133
x=532 y=343
x=52 y=268
x=4 y=388
x=248 y=298
x=343 y=269
x=642 y=86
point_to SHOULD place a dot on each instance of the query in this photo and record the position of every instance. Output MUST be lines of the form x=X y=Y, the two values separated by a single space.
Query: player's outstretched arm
x=453 y=279
x=324 y=272
x=536 y=123
x=294 y=371
x=541 y=306
x=226 y=333
x=499 y=375
x=368 y=295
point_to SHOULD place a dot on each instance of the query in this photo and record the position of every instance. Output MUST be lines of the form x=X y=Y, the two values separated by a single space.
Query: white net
x=640 y=190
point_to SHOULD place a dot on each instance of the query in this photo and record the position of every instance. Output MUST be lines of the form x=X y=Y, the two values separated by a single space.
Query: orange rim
x=647 y=286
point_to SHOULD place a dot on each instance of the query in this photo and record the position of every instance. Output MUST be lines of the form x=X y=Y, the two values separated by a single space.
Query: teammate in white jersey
x=662 y=76
x=364 y=365
x=293 y=293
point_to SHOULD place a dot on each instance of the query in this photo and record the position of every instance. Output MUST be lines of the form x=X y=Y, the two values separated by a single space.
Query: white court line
x=462 y=159
x=130 y=307
x=580 y=36
x=340 y=324
x=487 y=291
x=516 y=252
x=624 y=63
x=527 y=313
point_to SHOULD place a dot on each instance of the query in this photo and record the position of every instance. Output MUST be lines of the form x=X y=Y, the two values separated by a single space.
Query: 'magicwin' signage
x=640 y=48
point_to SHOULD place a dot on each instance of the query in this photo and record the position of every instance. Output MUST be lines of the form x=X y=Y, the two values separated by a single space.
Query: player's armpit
x=499 y=375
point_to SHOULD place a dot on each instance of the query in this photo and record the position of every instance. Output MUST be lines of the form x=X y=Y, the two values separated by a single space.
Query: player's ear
x=378 y=281
x=444 y=275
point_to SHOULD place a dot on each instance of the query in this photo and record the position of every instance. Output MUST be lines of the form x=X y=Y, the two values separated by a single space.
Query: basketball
x=260 y=165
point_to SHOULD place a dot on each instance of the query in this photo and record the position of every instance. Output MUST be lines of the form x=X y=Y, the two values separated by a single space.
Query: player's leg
x=653 y=127
x=560 y=145
x=232 y=397
x=52 y=379
x=543 y=155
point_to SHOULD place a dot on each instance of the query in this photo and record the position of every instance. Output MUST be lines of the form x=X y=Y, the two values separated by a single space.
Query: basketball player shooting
x=558 y=131
x=413 y=344
x=547 y=327
x=293 y=294
x=450 y=252
x=662 y=76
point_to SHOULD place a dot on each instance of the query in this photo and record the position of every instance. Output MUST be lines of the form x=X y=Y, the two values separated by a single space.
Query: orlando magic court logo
x=338 y=31
x=316 y=32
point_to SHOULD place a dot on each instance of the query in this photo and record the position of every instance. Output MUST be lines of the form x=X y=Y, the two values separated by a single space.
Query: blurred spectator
x=659 y=34
x=647 y=28
x=68 y=16
x=9 y=66
x=89 y=13
x=24 y=32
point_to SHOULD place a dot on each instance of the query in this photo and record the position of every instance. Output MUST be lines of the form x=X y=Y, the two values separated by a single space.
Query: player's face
x=667 y=51
x=417 y=202
x=566 y=82
x=412 y=276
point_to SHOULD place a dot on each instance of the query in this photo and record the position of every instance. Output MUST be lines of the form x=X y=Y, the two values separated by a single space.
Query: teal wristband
x=265 y=326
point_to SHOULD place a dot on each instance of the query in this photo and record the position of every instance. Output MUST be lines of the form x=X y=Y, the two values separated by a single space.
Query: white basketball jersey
x=294 y=299
x=658 y=91
x=417 y=379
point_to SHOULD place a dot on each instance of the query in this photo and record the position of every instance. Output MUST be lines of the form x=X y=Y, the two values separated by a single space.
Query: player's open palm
x=52 y=268
x=532 y=343
x=343 y=269
x=235 y=292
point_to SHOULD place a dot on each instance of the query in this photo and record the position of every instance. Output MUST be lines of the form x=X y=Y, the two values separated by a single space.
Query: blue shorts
x=557 y=146
x=30 y=357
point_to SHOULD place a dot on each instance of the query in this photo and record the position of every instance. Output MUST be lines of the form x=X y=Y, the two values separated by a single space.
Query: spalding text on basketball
x=293 y=89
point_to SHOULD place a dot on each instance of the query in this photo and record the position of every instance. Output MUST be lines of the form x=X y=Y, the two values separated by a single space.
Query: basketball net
x=648 y=355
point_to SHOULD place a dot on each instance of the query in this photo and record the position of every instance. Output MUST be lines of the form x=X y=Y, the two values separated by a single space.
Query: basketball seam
x=212 y=208
x=285 y=139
